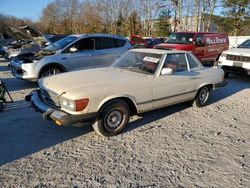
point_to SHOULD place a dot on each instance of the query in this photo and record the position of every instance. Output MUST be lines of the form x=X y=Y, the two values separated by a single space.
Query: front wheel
x=113 y=118
x=51 y=71
x=201 y=97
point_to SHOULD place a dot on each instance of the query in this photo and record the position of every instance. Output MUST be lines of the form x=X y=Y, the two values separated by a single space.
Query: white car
x=236 y=60
x=139 y=81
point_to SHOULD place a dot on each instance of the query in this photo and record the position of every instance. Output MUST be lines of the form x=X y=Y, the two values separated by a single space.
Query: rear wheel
x=201 y=97
x=50 y=71
x=113 y=118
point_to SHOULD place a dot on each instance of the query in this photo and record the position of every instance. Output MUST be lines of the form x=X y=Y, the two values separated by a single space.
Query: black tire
x=50 y=71
x=113 y=117
x=226 y=75
x=201 y=97
x=1 y=106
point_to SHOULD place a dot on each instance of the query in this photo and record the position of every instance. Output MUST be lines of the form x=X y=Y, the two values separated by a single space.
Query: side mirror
x=199 y=43
x=167 y=71
x=72 y=50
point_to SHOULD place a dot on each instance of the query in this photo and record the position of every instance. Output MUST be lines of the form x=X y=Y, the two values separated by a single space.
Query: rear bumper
x=220 y=84
x=60 y=117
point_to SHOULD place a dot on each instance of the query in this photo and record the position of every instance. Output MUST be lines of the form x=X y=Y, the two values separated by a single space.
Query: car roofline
x=158 y=51
x=97 y=35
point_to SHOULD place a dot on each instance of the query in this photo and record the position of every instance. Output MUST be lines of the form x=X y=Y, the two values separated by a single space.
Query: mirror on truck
x=199 y=43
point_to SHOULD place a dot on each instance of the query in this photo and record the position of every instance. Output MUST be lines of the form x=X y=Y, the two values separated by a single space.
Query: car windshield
x=141 y=62
x=60 y=44
x=180 y=38
x=245 y=44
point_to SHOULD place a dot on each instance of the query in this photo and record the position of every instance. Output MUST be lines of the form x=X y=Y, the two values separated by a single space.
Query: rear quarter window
x=120 y=42
x=105 y=43
x=192 y=63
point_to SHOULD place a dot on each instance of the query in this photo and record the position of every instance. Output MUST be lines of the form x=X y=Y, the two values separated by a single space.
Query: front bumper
x=23 y=71
x=220 y=84
x=234 y=67
x=60 y=117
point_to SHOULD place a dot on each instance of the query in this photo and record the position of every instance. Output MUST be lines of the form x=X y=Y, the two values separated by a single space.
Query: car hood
x=17 y=34
x=37 y=36
x=29 y=33
x=173 y=46
x=73 y=84
x=33 y=53
x=238 y=51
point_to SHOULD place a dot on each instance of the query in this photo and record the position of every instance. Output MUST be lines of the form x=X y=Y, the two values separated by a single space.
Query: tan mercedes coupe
x=141 y=80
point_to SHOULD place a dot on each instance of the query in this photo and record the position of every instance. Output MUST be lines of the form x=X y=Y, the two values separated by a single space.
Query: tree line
x=145 y=17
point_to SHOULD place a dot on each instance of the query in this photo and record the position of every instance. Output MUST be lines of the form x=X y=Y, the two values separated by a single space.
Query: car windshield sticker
x=151 y=59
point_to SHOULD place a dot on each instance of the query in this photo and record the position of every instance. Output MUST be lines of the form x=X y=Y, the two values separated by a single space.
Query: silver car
x=70 y=53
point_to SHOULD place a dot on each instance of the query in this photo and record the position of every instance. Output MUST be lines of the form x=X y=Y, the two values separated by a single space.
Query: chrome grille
x=238 y=58
x=50 y=98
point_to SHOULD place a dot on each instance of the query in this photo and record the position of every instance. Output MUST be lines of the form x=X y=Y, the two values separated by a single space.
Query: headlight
x=67 y=104
x=73 y=105
x=223 y=55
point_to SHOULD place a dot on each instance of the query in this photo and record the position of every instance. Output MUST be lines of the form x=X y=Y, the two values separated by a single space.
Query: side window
x=177 y=62
x=192 y=63
x=85 y=44
x=199 y=38
x=119 y=42
x=105 y=43
x=81 y=45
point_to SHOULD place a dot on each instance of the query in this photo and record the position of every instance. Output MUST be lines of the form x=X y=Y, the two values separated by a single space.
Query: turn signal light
x=58 y=123
x=81 y=104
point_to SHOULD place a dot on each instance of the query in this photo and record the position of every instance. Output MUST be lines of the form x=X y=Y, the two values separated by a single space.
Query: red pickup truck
x=207 y=47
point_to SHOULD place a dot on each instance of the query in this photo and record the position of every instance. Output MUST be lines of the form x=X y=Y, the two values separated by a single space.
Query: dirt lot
x=178 y=146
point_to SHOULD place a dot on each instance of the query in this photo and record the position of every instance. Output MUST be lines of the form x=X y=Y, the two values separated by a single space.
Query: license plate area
x=237 y=64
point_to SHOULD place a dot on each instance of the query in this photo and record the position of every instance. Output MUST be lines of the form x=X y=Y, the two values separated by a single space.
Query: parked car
x=207 y=47
x=55 y=37
x=236 y=60
x=5 y=39
x=153 y=41
x=28 y=39
x=72 y=52
x=141 y=80
x=138 y=41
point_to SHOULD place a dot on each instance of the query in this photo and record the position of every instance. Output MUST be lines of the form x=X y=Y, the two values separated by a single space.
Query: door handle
x=64 y=58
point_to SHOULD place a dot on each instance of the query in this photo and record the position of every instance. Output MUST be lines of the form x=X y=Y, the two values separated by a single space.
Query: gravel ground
x=178 y=146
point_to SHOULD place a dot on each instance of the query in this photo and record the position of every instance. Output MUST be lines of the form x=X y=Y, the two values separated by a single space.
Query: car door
x=199 y=47
x=176 y=87
x=81 y=57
